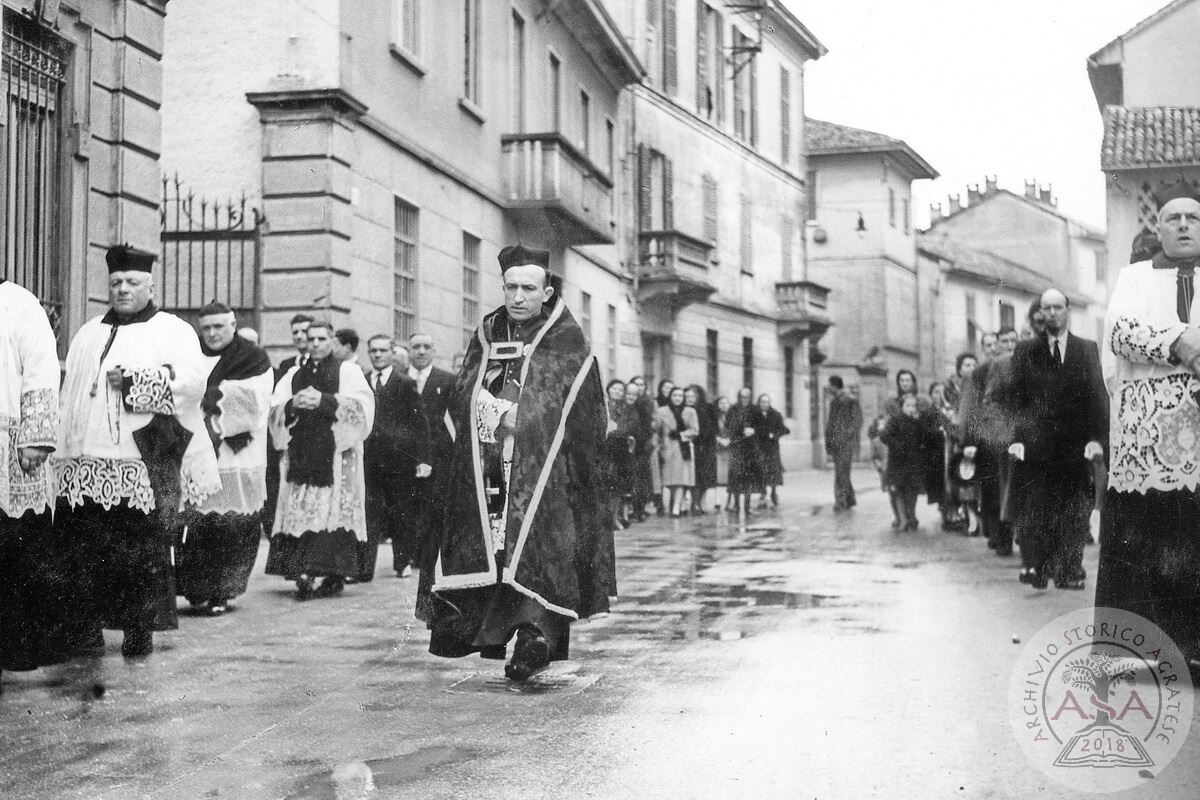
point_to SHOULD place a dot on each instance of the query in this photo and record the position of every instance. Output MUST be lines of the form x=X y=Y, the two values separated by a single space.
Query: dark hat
x=215 y=307
x=518 y=255
x=1175 y=191
x=124 y=258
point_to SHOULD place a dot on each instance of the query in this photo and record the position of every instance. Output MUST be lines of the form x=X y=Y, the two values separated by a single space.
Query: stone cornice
x=306 y=103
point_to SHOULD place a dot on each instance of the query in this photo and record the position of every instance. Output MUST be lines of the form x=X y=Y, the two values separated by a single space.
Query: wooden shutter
x=702 y=102
x=719 y=52
x=643 y=188
x=785 y=115
x=668 y=195
x=752 y=101
x=670 y=48
x=652 y=54
x=710 y=210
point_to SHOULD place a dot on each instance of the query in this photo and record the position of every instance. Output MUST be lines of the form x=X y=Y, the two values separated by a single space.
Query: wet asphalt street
x=804 y=654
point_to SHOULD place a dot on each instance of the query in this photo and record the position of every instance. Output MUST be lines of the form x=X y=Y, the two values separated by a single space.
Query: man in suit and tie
x=396 y=461
x=1061 y=415
x=436 y=386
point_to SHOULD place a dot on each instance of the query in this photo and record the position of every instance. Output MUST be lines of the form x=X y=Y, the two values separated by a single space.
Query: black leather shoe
x=531 y=653
x=138 y=642
x=330 y=587
x=1004 y=551
x=304 y=588
x=1032 y=577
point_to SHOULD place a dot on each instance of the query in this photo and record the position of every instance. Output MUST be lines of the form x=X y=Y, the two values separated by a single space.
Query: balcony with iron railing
x=803 y=308
x=674 y=269
x=554 y=191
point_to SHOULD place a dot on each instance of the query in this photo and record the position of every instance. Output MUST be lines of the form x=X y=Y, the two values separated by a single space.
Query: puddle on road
x=561 y=678
x=358 y=780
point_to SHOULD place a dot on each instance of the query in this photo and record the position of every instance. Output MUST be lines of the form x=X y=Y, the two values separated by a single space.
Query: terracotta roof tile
x=829 y=138
x=1138 y=138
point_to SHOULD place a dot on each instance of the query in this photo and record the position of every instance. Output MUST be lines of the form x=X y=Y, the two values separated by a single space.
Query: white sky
x=977 y=87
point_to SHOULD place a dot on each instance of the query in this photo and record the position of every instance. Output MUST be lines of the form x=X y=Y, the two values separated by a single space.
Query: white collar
x=384 y=373
x=419 y=373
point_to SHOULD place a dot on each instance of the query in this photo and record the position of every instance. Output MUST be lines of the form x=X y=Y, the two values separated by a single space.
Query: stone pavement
x=803 y=654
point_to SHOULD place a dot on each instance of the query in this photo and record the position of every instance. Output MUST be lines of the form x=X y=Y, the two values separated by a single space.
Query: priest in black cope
x=525 y=545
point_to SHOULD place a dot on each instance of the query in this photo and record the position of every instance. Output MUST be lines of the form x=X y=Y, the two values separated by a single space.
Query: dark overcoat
x=558 y=539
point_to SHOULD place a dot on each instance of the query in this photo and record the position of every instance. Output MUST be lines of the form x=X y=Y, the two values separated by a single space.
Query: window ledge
x=472 y=110
x=409 y=60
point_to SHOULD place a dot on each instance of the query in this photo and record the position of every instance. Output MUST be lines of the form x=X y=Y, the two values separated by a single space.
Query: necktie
x=378 y=380
x=1057 y=354
x=1185 y=290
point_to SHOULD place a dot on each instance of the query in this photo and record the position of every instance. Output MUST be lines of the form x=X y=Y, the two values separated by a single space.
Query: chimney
x=1046 y=195
x=990 y=183
x=1031 y=190
x=955 y=201
x=973 y=195
x=935 y=212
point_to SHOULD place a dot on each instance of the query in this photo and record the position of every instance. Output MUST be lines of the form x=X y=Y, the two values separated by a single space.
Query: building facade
x=656 y=148
x=396 y=146
x=1027 y=230
x=715 y=227
x=82 y=137
x=1145 y=86
x=862 y=245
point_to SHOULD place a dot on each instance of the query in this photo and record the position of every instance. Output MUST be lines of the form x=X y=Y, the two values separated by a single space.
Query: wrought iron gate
x=210 y=251
x=34 y=74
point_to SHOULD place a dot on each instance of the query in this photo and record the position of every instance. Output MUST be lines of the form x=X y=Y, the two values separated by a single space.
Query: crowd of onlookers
x=680 y=453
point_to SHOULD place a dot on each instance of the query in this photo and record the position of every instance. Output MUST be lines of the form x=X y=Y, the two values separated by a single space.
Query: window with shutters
x=786 y=235
x=747 y=362
x=712 y=362
x=891 y=206
x=785 y=115
x=555 y=89
x=745 y=89
x=710 y=63
x=470 y=286
x=711 y=204
x=1008 y=315
x=32 y=209
x=585 y=315
x=653 y=45
x=408 y=26
x=972 y=327
x=612 y=340
x=471 y=50
x=405 y=240
x=585 y=123
x=670 y=47
x=746 y=243
x=655 y=191
x=810 y=194
x=610 y=150
x=907 y=217
x=517 y=63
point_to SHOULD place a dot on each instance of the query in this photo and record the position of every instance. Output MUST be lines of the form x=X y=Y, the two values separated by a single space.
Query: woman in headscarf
x=768 y=427
x=678 y=426
x=704 y=445
x=619 y=445
x=906 y=385
x=745 y=470
x=645 y=459
x=665 y=387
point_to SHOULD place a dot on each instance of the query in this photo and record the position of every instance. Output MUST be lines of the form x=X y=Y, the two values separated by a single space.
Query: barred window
x=405 y=239
x=470 y=286
x=34 y=75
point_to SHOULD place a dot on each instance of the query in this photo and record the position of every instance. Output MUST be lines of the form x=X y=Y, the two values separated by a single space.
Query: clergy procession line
x=153 y=471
